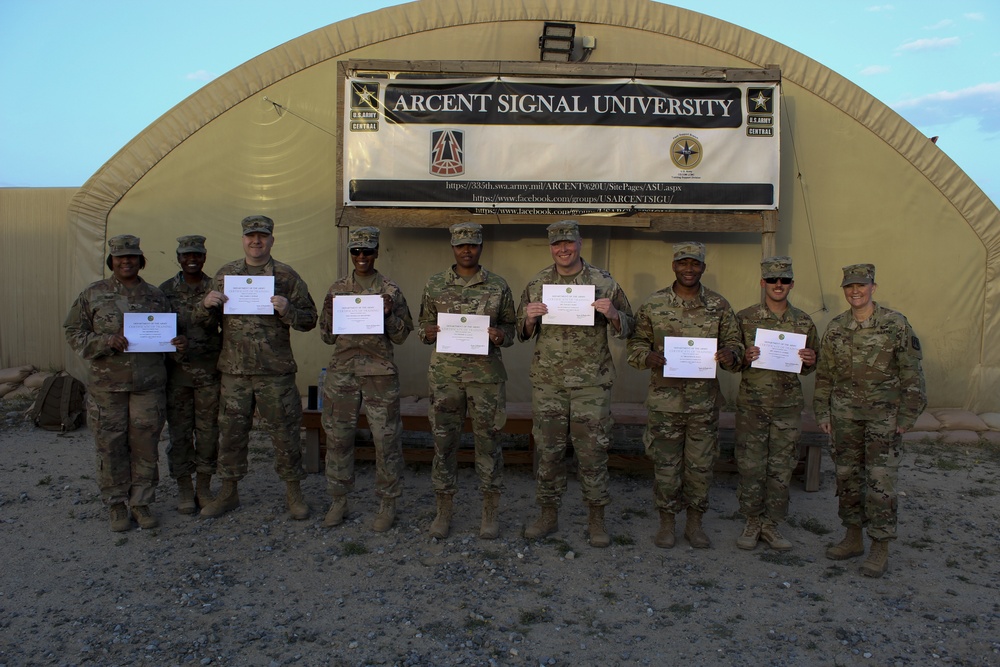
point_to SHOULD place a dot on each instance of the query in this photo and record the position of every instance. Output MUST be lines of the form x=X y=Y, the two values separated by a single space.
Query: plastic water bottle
x=322 y=382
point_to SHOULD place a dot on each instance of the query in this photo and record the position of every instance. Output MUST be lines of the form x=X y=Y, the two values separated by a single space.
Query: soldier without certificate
x=362 y=368
x=769 y=409
x=571 y=375
x=467 y=382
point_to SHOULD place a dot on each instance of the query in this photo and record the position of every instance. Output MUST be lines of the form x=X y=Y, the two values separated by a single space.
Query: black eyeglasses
x=769 y=281
x=367 y=252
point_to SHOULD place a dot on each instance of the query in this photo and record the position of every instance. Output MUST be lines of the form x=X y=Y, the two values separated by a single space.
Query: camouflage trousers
x=126 y=427
x=342 y=397
x=276 y=399
x=866 y=456
x=766 y=453
x=193 y=421
x=683 y=447
x=486 y=404
x=577 y=415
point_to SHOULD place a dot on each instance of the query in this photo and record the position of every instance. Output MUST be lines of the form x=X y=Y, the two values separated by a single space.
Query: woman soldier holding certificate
x=126 y=403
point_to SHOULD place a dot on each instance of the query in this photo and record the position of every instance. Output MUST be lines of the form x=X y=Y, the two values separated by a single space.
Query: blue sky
x=82 y=78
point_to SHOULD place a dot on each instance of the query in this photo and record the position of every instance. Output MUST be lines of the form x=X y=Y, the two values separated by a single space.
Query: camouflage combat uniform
x=869 y=381
x=192 y=383
x=458 y=381
x=571 y=375
x=258 y=371
x=682 y=429
x=362 y=368
x=126 y=404
x=769 y=416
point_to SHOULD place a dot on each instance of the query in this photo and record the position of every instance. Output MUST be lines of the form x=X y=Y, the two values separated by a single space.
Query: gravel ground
x=256 y=588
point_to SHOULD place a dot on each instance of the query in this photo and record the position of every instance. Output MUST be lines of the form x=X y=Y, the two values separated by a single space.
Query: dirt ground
x=256 y=588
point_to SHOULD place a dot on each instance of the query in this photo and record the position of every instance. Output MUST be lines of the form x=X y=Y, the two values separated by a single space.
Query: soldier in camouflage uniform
x=571 y=374
x=362 y=368
x=258 y=369
x=125 y=396
x=192 y=381
x=682 y=429
x=769 y=409
x=467 y=381
x=869 y=391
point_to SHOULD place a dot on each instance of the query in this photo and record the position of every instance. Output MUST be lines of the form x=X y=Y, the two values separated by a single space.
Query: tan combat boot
x=386 y=515
x=120 y=521
x=852 y=545
x=442 y=520
x=664 y=537
x=296 y=503
x=489 y=525
x=595 y=526
x=203 y=489
x=337 y=512
x=696 y=537
x=227 y=500
x=185 y=495
x=769 y=533
x=546 y=523
x=877 y=562
x=750 y=535
x=144 y=517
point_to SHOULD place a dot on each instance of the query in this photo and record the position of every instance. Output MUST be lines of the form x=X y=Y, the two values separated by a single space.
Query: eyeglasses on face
x=367 y=252
x=772 y=281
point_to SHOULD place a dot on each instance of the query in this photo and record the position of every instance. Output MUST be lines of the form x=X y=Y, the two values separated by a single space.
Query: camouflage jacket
x=574 y=356
x=485 y=294
x=869 y=372
x=773 y=389
x=366 y=354
x=96 y=315
x=197 y=366
x=664 y=313
x=260 y=344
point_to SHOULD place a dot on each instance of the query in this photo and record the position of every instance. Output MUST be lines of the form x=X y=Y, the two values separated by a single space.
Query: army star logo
x=760 y=102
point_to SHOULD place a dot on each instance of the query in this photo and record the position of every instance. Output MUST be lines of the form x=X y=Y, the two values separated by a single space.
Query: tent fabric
x=858 y=182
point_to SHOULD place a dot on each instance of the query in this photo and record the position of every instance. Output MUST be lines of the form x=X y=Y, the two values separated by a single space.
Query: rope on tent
x=280 y=109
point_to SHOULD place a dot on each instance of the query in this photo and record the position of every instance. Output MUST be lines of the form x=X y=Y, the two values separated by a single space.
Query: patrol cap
x=191 y=243
x=564 y=230
x=776 y=267
x=689 y=249
x=363 y=237
x=124 y=244
x=858 y=274
x=257 y=223
x=466 y=233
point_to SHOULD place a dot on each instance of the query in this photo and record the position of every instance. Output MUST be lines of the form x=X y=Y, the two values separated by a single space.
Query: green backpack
x=61 y=404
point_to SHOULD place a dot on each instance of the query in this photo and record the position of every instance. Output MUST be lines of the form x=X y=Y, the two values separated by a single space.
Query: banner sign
x=525 y=145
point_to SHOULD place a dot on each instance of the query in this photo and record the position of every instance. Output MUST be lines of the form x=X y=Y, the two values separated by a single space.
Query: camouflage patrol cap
x=363 y=237
x=191 y=243
x=257 y=224
x=776 y=267
x=858 y=274
x=466 y=233
x=689 y=249
x=564 y=230
x=124 y=244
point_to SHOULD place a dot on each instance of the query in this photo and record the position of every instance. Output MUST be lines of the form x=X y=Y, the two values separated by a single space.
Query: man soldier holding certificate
x=362 y=368
x=682 y=429
x=258 y=369
x=571 y=375
x=769 y=408
x=470 y=381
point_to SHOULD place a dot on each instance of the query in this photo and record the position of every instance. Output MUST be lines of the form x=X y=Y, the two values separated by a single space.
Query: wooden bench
x=519 y=421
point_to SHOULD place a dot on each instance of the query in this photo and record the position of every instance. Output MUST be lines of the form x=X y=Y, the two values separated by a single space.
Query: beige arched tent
x=858 y=184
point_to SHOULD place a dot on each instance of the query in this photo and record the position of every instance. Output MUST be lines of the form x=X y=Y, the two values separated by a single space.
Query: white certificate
x=358 y=314
x=779 y=350
x=150 y=332
x=463 y=334
x=569 y=304
x=248 y=295
x=689 y=357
